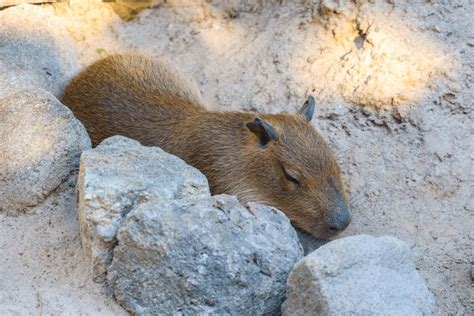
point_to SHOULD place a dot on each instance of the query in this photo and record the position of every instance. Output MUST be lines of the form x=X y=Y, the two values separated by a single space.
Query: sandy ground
x=393 y=82
x=42 y=268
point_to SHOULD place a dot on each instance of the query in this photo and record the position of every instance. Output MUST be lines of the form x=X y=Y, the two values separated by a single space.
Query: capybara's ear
x=307 y=110
x=264 y=131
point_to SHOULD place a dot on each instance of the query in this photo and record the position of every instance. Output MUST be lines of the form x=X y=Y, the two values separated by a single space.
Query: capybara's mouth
x=318 y=240
x=322 y=242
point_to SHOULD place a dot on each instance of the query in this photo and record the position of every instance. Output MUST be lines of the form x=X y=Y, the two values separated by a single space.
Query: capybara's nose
x=339 y=218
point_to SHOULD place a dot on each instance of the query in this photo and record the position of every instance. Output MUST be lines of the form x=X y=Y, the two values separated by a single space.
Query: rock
x=359 y=275
x=41 y=142
x=150 y=226
x=37 y=52
x=210 y=257
x=116 y=177
x=128 y=10
x=152 y=229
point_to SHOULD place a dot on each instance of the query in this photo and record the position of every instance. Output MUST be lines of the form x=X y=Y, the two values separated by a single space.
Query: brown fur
x=149 y=101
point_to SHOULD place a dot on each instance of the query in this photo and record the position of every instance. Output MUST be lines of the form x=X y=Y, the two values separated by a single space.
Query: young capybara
x=274 y=159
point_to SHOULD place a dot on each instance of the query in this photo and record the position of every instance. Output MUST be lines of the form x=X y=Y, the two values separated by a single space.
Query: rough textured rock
x=150 y=225
x=360 y=275
x=36 y=52
x=117 y=176
x=41 y=142
x=211 y=257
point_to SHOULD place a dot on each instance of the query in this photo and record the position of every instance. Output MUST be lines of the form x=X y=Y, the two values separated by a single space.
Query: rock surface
x=36 y=52
x=116 y=177
x=212 y=257
x=360 y=275
x=41 y=142
x=149 y=224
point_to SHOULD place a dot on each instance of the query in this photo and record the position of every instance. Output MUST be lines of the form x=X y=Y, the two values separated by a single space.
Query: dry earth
x=394 y=84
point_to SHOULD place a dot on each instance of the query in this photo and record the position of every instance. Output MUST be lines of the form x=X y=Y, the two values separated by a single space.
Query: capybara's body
x=279 y=159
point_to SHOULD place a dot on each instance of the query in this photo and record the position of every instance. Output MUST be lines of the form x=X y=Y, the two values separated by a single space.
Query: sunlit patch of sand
x=375 y=59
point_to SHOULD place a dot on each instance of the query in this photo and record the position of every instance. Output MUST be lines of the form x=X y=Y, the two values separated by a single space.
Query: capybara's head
x=295 y=171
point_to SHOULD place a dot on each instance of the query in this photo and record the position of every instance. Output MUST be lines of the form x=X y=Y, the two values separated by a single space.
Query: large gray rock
x=36 y=52
x=116 y=177
x=40 y=144
x=150 y=226
x=359 y=275
x=210 y=257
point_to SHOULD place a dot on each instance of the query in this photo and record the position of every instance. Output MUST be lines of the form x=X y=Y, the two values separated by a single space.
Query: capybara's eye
x=290 y=178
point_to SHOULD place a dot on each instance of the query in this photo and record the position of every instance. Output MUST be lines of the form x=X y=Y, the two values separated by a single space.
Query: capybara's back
x=130 y=94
